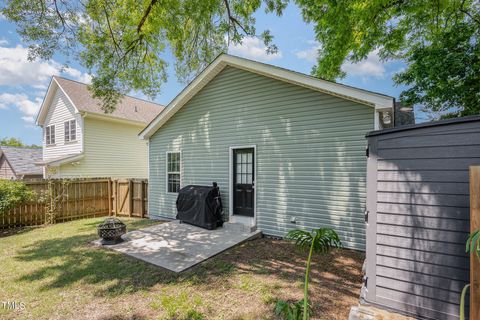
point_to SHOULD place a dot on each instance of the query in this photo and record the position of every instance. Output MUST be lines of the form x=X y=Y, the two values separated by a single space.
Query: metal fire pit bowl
x=111 y=231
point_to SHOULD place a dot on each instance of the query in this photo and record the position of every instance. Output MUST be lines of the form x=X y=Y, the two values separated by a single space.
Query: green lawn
x=58 y=274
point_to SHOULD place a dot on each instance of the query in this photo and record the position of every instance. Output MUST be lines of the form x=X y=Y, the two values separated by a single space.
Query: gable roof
x=128 y=108
x=22 y=160
x=375 y=100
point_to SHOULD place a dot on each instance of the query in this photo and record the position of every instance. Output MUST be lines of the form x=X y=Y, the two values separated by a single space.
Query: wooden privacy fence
x=129 y=197
x=78 y=199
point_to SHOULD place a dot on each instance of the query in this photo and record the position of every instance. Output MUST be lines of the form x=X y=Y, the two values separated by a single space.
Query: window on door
x=50 y=135
x=244 y=171
x=173 y=172
x=70 y=131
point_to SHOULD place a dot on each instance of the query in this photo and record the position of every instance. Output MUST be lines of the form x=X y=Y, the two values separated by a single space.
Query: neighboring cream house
x=80 y=140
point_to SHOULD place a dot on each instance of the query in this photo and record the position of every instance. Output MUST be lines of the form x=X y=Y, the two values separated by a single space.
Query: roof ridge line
x=125 y=95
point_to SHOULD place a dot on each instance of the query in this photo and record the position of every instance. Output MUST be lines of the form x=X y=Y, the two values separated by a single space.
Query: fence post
x=110 y=200
x=115 y=196
x=474 y=225
x=142 y=198
x=130 y=197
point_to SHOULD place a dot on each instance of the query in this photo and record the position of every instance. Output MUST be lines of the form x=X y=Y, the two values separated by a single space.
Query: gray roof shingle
x=23 y=160
x=128 y=108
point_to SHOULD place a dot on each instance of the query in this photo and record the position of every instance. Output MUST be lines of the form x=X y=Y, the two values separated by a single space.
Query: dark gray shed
x=418 y=216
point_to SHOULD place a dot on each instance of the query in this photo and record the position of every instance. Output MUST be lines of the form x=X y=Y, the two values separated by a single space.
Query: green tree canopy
x=438 y=39
x=125 y=43
x=15 y=142
x=444 y=75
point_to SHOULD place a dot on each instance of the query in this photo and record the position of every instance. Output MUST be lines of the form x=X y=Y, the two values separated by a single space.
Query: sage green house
x=287 y=150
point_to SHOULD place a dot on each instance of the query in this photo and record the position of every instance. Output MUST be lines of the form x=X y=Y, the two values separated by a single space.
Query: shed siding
x=6 y=171
x=310 y=152
x=62 y=110
x=112 y=149
x=416 y=261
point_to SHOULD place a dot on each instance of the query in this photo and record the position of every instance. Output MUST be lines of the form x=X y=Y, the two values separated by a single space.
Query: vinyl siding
x=419 y=217
x=62 y=110
x=112 y=149
x=310 y=152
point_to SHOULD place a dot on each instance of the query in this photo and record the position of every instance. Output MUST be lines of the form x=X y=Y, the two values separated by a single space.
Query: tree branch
x=62 y=19
x=470 y=15
x=145 y=15
x=234 y=20
x=117 y=47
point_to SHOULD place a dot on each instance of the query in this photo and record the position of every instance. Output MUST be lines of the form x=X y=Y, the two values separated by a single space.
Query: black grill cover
x=200 y=206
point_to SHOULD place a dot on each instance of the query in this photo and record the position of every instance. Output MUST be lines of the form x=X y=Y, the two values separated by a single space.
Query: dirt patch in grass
x=58 y=275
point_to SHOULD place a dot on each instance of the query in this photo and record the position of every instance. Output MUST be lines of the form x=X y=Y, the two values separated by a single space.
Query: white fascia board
x=186 y=94
x=66 y=95
x=61 y=160
x=375 y=100
x=335 y=89
x=47 y=100
x=42 y=112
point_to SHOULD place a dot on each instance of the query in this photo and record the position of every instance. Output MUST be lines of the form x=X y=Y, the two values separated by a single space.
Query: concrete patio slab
x=178 y=246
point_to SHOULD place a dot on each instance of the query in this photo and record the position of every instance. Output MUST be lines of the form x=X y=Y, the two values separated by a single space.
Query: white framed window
x=50 y=135
x=70 y=130
x=173 y=172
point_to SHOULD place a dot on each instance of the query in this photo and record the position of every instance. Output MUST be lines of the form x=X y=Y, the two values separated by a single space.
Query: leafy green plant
x=318 y=241
x=12 y=194
x=472 y=247
x=473 y=243
x=462 y=302
x=290 y=310
x=53 y=196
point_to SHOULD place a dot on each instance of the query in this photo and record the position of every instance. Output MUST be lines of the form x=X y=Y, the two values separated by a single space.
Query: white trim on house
x=42 y=113
x=61 y=160
x=166 y=171
x=248 y=221
x=375 y=100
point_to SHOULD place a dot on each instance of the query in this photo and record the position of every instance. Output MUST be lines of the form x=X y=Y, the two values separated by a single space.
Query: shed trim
x=424 y=125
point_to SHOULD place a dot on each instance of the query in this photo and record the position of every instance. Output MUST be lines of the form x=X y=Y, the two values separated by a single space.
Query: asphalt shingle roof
x=23 y=160
x=128 y=108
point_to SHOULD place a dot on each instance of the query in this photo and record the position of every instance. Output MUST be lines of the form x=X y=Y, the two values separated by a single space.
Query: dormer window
x=50 y=135
x=70 y=131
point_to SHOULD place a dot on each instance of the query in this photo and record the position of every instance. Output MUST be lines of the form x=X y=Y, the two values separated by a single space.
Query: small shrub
x=53 y=197
x=12 y=194
x=291 y=310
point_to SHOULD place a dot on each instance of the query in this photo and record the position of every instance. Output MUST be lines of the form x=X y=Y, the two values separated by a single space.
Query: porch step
x=239 y=227
x=365 y=312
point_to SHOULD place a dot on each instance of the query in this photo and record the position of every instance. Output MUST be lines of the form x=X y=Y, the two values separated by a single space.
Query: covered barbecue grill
x=200 y=206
